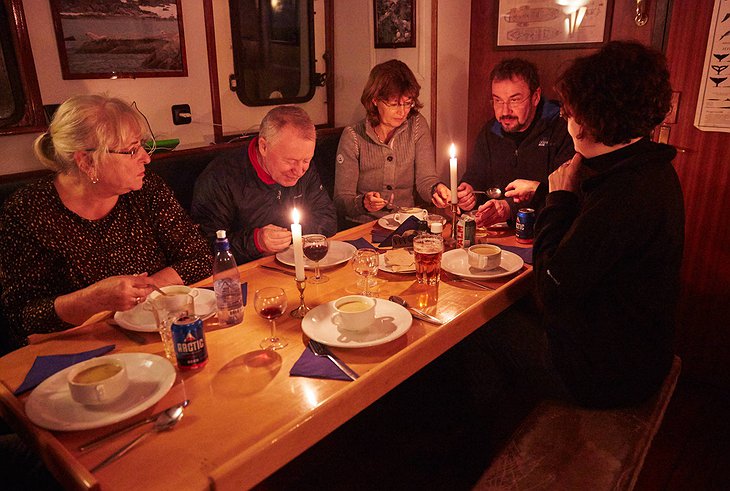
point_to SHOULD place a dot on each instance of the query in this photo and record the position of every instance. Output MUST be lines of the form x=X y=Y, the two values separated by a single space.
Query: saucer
x=391 y=322
x=388 y=222
x=456 y=261
x=50 y=404
x=143 y=320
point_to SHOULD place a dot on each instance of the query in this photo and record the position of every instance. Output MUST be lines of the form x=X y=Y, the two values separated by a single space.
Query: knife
x=136 y=337
x=99 y=440
x=274 y=268
x=419 y=314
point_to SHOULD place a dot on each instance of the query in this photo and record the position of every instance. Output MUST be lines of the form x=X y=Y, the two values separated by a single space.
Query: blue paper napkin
x=410 y=223
x=45 y=366
x=313 y=366
x=361 y=244
x=524 y=252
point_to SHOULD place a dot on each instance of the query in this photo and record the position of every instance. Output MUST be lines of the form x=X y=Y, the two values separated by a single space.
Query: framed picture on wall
x=553 y=24
x=117 y=38
x=395 y=23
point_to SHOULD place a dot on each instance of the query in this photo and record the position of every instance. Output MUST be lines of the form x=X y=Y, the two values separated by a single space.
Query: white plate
x=50 y=404
x=338 y=253
x=383 y=266
x=143 y=320
x=388 y=222
x=391 y=322
x=456 y=261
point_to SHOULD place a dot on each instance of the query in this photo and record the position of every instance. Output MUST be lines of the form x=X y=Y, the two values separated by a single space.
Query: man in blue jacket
x=251 y=193
x=518 y=148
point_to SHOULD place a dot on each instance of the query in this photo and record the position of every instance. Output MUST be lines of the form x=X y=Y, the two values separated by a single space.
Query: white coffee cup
x=356 y=312
x=484 y=256
x=98 y=381
x=403 y=213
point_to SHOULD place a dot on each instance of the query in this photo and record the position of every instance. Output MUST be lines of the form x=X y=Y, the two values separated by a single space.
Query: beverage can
x=525 y=225
x=466 y=228
x=188 y=338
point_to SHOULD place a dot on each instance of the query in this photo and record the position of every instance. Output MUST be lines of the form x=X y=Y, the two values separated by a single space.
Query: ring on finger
x=137 y=300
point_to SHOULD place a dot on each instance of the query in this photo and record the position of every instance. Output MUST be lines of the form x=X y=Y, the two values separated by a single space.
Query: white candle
x=453 y=174
x=296 y=235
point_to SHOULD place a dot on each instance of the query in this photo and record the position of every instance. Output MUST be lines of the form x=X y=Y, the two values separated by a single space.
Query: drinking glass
x=315 y=248
x=167 y=309
x=427 y=249
x=270 y=303
x=365 y=263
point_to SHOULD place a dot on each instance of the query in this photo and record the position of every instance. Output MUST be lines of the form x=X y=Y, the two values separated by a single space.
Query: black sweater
x=607 y=272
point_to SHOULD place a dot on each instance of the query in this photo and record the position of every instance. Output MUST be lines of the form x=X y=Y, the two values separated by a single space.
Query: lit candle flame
x=295 y=215
x=452 y=151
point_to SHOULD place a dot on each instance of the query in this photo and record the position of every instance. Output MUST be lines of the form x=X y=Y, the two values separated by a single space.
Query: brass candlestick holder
x=302 y=310
x=454 y=211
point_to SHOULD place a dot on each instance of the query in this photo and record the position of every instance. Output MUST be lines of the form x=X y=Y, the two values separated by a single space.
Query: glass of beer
x=427 y=249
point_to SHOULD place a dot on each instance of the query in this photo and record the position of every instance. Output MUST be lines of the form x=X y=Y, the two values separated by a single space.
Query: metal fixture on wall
x=641 y=16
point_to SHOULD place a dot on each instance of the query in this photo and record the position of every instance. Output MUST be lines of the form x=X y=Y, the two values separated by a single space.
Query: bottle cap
x=221 y=234
x=437 y=227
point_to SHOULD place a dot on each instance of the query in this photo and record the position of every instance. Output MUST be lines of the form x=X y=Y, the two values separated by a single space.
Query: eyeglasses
x=512 y=102
x=396 y=105
x=133 y=152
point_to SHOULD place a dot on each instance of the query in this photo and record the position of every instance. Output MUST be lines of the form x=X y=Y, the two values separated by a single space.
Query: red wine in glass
x=315 y=248
x=270 y=303
x=271 y=312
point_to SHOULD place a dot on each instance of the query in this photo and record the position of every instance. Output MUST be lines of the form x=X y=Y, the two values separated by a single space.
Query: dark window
x=273 y=51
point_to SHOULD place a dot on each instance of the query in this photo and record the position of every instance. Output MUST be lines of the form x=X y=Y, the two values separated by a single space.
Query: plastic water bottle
x=227 y=283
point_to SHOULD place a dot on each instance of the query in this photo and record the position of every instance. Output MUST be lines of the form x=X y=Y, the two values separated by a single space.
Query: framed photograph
x=119 y=39
x=551 y=24
x=395 y=23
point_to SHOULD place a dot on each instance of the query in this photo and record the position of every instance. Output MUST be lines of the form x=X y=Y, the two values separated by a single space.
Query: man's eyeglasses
x=512 y=102
x=396 y=105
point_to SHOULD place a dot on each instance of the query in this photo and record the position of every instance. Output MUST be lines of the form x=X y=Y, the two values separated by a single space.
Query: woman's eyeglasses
x=132 y=152
x=397 y=105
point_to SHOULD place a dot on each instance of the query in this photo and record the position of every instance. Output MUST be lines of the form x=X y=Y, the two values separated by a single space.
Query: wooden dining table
x=247 y=416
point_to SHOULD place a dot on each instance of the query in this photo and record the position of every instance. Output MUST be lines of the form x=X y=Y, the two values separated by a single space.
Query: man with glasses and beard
x=518 y=148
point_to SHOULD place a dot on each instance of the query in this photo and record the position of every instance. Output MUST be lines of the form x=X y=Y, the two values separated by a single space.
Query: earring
x=94 y=177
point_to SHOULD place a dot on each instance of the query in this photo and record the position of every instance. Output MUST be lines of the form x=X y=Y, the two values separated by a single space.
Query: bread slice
x=400 y=260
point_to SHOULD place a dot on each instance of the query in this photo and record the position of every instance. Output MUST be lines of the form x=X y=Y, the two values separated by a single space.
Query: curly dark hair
x=617 y=94
x=516 y=67
x=391 y=79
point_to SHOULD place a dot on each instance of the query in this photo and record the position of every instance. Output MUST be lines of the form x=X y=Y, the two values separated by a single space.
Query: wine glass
x=270 y=303
x=315 y=248
x=365 y=263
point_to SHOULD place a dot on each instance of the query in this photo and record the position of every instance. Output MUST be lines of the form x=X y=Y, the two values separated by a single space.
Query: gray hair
x=283 y=116
x=86 y=122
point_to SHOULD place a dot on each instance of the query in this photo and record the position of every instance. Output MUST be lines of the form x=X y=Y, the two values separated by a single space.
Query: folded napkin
x=361 y=244
x=313 y=366
x=524 y=252
x=410 y=223
x=45 y=366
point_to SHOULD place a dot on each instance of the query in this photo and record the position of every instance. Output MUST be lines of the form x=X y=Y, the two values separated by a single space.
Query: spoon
x=420 y=314
x=165 y=421
x=492 y=193
x=158 y=289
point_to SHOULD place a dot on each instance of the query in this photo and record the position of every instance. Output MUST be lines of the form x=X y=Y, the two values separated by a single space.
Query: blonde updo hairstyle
x=93 y=123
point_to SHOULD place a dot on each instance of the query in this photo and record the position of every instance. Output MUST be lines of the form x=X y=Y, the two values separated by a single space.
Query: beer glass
x=427 y=249
x=167 y=309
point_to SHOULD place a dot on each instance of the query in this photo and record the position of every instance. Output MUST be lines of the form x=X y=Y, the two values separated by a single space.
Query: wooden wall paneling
x=703 y=336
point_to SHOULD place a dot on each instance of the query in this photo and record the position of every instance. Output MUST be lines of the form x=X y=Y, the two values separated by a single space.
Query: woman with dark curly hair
x=609 y=241
x=387 y=159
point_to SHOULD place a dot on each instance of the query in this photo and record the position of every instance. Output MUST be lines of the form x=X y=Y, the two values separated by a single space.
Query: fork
x=452 y=277
x=321 y=350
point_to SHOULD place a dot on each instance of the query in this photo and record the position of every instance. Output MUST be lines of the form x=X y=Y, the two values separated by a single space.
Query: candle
x=453 y=174
x=296 y=235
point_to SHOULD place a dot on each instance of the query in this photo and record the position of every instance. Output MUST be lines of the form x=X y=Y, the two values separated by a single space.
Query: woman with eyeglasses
x=387 y=160
x=98 y=233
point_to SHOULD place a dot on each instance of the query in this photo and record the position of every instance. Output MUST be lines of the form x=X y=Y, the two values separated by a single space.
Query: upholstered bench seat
x=564 y=447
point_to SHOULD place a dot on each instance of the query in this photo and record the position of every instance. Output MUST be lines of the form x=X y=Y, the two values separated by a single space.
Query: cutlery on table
x=419 y=314
x=164 y=422
x=274 y=268
x=452 y=277
x=136 y=337
x=103 y=438
x=321 y=350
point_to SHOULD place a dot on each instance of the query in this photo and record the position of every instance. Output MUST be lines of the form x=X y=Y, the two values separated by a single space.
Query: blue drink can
x=188 y=339
x=525 y=225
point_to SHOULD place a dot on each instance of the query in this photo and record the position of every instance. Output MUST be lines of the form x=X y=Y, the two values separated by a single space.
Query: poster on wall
x=119 y=38
x=713 y=102
x=552 y=23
